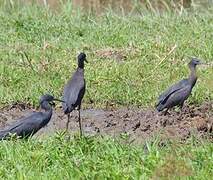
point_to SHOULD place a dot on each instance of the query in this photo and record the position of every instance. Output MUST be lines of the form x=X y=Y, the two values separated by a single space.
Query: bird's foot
x=165 y=113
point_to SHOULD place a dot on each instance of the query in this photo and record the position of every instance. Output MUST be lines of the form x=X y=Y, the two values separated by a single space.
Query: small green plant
x=132 y=58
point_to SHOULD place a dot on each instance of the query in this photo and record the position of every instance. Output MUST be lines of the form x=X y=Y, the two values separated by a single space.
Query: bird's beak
x=207 y=64
x=58 y=100
x=52 y=103
x=86 y=60
x=200 y=63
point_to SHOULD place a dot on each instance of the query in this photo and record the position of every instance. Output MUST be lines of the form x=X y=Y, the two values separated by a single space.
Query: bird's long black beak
x=58 y=100
x=204 y=64
x=86 y=60
x=200 y=63
x=207 y=64
x=52 y=103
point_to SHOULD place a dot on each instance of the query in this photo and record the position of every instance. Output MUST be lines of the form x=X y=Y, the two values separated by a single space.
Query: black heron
x=74 y=91
x=179 y=92
x=28 y=126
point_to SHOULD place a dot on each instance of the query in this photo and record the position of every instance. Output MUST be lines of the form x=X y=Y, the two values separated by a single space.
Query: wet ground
x=138 y=124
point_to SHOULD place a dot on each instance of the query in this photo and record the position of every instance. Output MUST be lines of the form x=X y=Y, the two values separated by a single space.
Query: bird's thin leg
x=166 y=111
x=181 y=107
x=79 y=120
x=68 y=121
x=181 y=110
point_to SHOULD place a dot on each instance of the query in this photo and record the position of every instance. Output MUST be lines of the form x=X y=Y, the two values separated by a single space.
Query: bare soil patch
x=138 y=124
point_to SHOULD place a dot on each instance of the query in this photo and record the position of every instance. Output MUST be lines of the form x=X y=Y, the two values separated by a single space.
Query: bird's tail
x=3 y=134
x=67 y=109
x=159 y=107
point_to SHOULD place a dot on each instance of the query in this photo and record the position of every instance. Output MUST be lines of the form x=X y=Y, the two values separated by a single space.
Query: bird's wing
x=180 y=95
x=72 y=90
x=164 y=96
x=3 y=133
x=24 y=126
x=12 y=129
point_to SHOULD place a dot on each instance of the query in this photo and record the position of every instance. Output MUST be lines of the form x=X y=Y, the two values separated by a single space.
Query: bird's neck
x=46 y=106
x=81 y=64
x=192 y=76
x=48 y=111
x=80 y=69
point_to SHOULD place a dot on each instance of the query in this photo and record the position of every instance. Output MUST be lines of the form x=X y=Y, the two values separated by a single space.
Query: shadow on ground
x=138 y=124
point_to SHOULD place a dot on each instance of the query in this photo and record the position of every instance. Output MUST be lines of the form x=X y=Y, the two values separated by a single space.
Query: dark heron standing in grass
x=179 y=92
x=28 y=126
x=74 y=91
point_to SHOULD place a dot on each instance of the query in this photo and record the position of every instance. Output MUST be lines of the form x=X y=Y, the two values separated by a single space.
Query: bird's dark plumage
x=28 y=126
x=74 y=91
x=179 y=92
x=75 y=88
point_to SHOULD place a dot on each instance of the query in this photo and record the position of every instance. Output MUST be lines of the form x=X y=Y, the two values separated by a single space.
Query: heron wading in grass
x=74 y=91
x=179 y=92
x=28 y=126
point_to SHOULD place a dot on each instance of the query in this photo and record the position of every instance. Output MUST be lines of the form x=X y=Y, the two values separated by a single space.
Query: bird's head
x=81 y=59
x=48 y=98
x=194 y=62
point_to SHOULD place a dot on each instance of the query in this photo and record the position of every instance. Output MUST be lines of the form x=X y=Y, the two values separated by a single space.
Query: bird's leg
x=166 y=112
x=79 y=119
x=181 y=110
x=181 y=107
x=68 y=121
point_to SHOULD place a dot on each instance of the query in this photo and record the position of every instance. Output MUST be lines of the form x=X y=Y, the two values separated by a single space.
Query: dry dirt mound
x=139 y=124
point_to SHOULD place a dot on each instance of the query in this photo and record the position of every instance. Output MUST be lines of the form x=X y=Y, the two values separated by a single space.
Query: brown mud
x=138 y=124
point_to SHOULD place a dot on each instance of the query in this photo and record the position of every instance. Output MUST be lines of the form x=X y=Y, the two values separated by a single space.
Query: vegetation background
x=134 y=53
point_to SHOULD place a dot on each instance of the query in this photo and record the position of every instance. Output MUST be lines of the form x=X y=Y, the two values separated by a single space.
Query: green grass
x=103 y=158
x=53 y=40
x=38 y=50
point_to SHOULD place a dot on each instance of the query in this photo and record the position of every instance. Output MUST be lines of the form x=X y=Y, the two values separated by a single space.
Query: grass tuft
x=97 y=158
